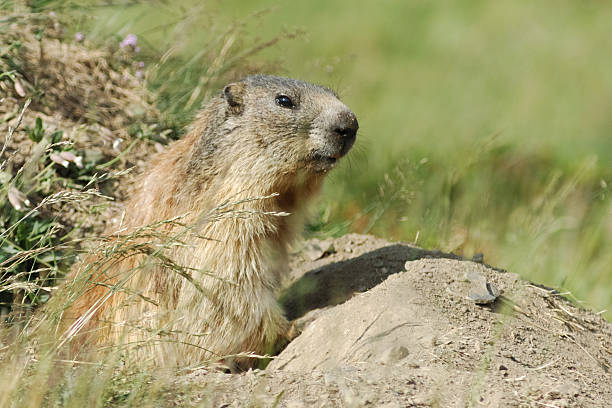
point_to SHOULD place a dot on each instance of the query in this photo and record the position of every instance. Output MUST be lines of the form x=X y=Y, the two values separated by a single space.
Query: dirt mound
x=82 y=116
x=75 y=119
x=91 y=95
x=428 y=329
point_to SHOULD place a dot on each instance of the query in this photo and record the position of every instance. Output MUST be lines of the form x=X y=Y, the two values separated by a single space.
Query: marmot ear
x=233 y=95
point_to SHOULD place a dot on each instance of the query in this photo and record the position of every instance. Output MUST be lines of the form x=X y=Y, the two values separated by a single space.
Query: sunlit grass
x=492 y=106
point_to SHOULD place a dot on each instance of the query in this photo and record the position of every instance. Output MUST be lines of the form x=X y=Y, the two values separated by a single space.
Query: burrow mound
x=388 y=324
x=72 y=112
x=91 y=94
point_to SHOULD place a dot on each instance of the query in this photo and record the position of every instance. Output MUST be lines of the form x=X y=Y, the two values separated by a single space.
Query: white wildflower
x=59 y=159
x=17 y=199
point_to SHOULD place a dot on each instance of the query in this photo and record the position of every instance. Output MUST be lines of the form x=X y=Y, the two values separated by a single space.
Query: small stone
x=393 y=355
x=319 y=249
x=483 y=293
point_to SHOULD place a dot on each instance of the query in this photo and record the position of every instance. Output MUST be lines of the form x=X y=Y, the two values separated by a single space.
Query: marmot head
x=287 y=126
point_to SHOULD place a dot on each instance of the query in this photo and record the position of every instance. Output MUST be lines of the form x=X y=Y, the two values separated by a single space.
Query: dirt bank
x=387 y=324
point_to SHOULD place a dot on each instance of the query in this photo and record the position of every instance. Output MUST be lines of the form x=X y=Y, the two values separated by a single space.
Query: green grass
x=498 y=113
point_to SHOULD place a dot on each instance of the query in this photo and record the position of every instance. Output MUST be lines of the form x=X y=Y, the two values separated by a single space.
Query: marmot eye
x=284 y=101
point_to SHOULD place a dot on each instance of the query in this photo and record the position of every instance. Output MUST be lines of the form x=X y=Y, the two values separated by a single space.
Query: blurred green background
x=485 y=126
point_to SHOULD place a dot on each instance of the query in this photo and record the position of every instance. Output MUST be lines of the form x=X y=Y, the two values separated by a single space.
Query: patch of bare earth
x=391 y=325
x=89 y=94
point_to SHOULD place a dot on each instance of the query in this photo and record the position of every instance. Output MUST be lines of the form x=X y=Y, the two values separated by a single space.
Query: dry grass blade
x=12 y=130
x=59 y=197
x=150 y=241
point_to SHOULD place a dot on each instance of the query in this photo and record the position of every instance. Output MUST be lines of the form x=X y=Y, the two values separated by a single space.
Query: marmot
x=260 y=149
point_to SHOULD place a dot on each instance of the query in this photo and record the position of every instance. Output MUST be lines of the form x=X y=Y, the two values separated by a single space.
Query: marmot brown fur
x=263 y=136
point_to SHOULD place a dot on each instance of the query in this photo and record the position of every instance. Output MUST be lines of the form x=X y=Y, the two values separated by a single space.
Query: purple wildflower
x=141 y=64
x=136 y=49
x=79 y=36
x=130 y=40
x=139 y=74
x=51 y=14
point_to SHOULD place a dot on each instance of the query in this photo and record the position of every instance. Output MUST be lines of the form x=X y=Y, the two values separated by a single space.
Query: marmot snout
x=265 y=143
x=341 y=129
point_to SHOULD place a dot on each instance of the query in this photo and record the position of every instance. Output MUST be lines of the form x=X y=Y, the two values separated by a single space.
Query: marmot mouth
x=321 y=163
x=329 y=160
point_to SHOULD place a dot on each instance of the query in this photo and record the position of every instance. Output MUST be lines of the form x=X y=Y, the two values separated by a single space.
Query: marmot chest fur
x=238 y=181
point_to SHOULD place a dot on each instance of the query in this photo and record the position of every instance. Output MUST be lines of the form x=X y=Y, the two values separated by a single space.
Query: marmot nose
x=346 y=125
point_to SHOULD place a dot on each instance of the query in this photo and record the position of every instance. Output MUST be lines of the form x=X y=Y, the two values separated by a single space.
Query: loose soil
x=391 y=325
